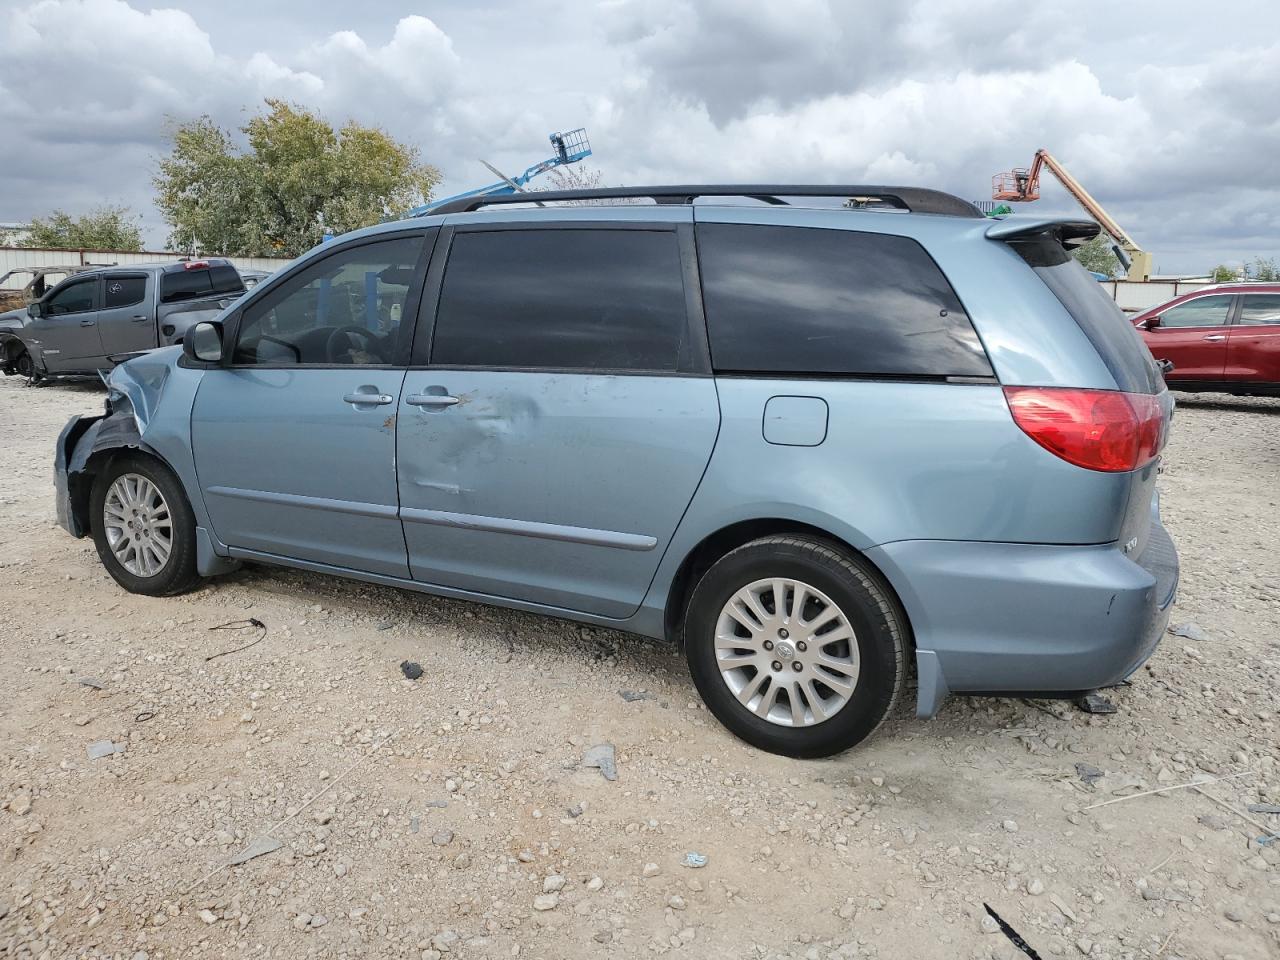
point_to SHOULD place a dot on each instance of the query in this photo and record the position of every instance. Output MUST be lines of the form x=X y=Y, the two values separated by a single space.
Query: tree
x=1096 y=255
x=104 y=228
x=296 y=179
x=1261 y=268
x=1222 y=274
x=581 y=177
x=576 y=177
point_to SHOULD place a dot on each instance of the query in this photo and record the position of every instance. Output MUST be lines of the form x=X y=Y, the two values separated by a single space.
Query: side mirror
x=203 y=342
x=35 y=309
x=1151 y=322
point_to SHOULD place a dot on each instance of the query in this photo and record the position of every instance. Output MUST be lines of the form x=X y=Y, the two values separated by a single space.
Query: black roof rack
x=911 y=199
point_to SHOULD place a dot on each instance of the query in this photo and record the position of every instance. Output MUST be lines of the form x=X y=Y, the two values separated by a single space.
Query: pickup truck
x=90 y=321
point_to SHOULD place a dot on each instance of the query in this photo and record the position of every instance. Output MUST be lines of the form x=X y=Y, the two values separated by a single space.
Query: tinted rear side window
x=1119 y=345
x=568 y=299
x=124 y=291
x=201 y=282
x=815 y=301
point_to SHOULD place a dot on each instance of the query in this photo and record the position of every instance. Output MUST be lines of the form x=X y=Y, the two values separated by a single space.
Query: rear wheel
x=143 y=527
x=796 y=646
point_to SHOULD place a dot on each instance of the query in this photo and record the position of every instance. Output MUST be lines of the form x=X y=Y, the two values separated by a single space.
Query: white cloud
x=1165 y=123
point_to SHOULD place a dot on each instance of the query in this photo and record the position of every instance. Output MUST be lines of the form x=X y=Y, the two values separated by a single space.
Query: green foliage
x=1222 y=274
x=104 y=228
x=296 y=178
x=1261 y=268
x=1096 y=255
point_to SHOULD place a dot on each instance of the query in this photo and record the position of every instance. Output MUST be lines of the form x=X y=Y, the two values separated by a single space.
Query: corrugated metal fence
x=13 y=257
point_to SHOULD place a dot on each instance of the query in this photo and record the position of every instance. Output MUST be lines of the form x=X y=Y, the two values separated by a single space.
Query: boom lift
x=570 y=147
x=1022 y=184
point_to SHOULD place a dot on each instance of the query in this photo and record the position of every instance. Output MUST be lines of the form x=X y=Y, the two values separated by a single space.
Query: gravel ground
x=451 y=816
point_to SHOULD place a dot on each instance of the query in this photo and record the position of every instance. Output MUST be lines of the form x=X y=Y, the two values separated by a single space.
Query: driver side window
x=73 y=298
x=1200 y=312
x=345 y=308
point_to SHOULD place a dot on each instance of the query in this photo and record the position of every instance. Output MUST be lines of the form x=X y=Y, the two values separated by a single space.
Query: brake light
x=1096 y=429
x=196 y=265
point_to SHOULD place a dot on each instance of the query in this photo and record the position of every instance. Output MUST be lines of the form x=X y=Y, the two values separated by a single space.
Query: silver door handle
x=1216 y=336
x=430 y=400
x=88 y=323
x=373 y=399
x=139 y=317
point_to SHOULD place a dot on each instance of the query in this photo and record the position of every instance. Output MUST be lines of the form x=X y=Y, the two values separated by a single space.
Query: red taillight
x=196 y=265
x=1097 y=429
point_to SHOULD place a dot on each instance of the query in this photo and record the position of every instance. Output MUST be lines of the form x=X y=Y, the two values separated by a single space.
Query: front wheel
x=24 y=366
x=143 y=527
x=796 y=646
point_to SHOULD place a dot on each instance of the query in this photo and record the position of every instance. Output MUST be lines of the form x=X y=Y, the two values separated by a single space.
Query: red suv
x=1222 y=338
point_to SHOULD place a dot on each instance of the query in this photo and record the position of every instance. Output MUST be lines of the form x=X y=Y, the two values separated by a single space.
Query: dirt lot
x=451 y=816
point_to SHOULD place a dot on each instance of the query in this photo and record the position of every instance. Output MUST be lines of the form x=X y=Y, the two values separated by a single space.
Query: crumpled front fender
x=141 y=384
x=84 y=444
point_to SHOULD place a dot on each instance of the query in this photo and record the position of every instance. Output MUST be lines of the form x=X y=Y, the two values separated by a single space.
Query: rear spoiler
x=1070 y=233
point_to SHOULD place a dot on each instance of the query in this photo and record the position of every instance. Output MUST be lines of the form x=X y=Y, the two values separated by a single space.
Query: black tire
x=178 y=574
x=25 y=366
x=878 y=622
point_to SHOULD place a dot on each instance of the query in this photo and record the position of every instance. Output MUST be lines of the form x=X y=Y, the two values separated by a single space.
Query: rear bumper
x=1007 y=618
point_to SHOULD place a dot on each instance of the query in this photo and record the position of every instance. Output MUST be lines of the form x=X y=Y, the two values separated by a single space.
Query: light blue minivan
x=824 y=438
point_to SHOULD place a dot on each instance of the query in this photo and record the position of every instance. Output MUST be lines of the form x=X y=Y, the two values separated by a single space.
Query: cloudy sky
x=1166 y=111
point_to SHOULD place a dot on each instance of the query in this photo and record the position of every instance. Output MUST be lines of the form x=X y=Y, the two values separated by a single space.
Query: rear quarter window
x=219 y=278
x=1119 y=345
x=804 y=300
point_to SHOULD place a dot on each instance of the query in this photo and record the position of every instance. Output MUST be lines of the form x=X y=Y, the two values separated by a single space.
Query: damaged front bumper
x=65 y=457
x=115 y=429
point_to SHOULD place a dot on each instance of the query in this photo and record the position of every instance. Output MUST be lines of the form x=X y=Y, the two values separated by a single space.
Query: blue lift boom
x=570 y=147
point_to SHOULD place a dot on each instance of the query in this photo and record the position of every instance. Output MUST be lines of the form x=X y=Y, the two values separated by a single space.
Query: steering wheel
x=332 y=350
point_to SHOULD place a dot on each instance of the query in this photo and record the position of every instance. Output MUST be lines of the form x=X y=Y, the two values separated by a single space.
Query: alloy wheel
x=138 y=525
x=787 y=652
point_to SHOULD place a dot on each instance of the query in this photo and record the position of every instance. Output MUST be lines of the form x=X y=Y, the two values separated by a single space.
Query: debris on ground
x=103 y=748
x=253 y=623
x=695 y=861
x=93 y=682
x=411 y=670
x=1014 y=937
x=1094 y=702
x=1063 y=909
x=1089 y=773
x=602 y=756
x=1189 y=631
x=258 y=847
x=1201 y=780
x=631 y=696
x=1263 y=808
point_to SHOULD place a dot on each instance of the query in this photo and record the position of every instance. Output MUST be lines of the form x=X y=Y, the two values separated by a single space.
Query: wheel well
x=715 y=546
x=80 y=484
